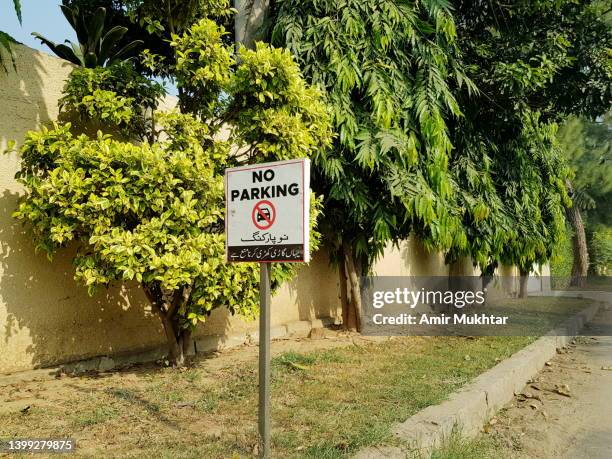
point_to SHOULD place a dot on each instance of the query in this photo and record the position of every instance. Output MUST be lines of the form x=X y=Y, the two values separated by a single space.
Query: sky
x=44 y=17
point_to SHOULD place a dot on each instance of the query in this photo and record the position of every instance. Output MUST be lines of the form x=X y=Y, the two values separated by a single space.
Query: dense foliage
x=446 y=119
x=534 y=64
x=587 y=146
x=561 y=263
x=601 y=250
x=388 y=68
x=112 y=98
x=153 y=22
x=153 y=212
x=516 y=189
x=147 y=212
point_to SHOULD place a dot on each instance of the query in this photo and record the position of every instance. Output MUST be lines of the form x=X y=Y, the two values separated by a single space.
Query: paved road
x=592 y=437
x=547 y=424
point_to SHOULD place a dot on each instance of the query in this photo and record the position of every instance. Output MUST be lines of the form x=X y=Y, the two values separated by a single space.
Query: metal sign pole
x=264 y=360
x=274 y=229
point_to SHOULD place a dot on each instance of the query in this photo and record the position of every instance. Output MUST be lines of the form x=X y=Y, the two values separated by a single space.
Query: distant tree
x=534 y=63
x=587 y=145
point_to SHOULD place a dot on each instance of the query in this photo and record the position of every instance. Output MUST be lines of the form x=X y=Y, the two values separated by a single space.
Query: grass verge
x=325 y=404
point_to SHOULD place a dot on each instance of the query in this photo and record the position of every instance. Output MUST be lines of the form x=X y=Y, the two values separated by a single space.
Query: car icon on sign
x=260 y=217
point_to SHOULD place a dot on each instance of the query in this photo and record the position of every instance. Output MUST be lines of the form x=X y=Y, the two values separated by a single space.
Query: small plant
x=97 y=416
x=293 y=361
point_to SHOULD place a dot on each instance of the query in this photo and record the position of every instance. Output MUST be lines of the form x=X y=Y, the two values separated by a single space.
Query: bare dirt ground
x=566 y=411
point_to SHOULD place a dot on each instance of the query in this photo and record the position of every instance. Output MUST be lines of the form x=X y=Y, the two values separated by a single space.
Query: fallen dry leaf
x=297 y=366
x=563 y=390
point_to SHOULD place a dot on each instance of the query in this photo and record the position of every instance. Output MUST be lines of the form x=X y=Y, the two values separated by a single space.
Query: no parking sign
x=267 y=208
x=267 y=212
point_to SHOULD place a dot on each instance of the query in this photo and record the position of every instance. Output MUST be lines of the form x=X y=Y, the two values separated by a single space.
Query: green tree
x=534 y=63
x=587 y=147
x=389 y=69
x=601 y=248
x=153 y=212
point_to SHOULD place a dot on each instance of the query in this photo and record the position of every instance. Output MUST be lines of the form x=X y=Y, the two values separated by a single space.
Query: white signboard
x=267 y=212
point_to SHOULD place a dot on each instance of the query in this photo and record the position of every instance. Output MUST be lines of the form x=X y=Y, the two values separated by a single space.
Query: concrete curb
x=471 y=407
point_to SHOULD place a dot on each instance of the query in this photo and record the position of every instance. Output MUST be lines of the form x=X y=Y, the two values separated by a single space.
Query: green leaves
x=276 y=111
x=153 y=212
x=272 y=113
x=531 y=69
x=97 y=46
x=388 y=68
x=114 y=97
x=133 y=207
x=203 y=65
x=601 y=250
x=17 y=5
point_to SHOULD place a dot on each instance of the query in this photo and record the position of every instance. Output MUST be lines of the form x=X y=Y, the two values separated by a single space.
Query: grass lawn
x=325 y=404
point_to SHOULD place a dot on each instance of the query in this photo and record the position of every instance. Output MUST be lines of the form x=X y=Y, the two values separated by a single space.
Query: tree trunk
x=354 y=312
x=249 y=20
x=581 y=255
x=178 y=339
x=344 y=295
x=523 y=281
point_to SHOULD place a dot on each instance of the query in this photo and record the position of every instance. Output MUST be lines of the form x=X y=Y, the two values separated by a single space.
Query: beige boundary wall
x=47 y=319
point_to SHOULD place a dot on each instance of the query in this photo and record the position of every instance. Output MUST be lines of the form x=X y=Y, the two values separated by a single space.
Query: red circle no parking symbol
x=263 y=215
